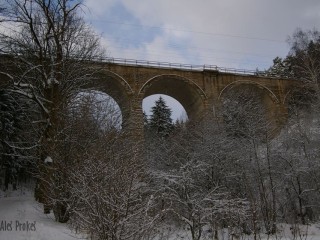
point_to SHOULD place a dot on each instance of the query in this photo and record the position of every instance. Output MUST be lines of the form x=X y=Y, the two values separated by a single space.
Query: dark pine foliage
x=160 y=120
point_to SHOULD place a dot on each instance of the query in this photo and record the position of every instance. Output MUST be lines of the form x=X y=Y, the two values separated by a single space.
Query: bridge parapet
x=182 y=66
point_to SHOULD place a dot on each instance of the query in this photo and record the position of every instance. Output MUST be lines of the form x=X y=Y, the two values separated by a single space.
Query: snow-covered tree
x=190 y=175
x=304 y=56
x=109 y=198
x=280 y=68
x=160 y=121
x=103 y=189
x=48 y=54
x=48 y=58
x=302 y=63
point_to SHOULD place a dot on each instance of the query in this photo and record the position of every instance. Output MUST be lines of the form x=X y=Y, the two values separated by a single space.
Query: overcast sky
x=245 y=34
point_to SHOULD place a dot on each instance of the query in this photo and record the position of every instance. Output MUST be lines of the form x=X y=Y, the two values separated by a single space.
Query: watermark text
x=18 y=226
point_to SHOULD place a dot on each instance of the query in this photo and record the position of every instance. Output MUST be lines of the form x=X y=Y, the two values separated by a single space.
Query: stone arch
x=249 y=82
x=184 y=90
x=299 y=98
x=115 y=86
x=273 y=106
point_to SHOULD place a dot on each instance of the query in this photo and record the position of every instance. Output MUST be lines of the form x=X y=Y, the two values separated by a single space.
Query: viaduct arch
x=116 y=87
x=187 y=92
x=198 y=89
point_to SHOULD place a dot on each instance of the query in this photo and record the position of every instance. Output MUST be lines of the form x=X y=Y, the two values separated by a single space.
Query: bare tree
x=304 y=55
x=246 y=119
x=110 y=196
x=98 y=180
x=298 y=153
x=48 y=48
x=189 y=173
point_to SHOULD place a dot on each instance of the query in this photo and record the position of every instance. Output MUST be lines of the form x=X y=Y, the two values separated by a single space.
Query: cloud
x=231 y=33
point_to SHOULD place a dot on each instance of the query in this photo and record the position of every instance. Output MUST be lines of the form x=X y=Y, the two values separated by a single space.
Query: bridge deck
x=181 y=66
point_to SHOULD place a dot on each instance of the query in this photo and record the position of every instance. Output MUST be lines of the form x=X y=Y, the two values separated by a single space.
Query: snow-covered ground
x=22 y=218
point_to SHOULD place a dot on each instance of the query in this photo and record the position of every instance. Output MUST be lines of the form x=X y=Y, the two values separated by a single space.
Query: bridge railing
x=168 y=65
x=134 y=62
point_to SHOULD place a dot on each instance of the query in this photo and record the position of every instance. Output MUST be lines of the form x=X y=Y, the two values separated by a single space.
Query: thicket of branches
x=243 y=160
x=46 y=49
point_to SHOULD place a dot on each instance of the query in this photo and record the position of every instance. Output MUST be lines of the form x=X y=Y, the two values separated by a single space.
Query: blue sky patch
x=124 y=28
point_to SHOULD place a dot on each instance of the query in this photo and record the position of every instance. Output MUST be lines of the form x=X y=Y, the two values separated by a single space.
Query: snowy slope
x=19 y=207
x=16 y=212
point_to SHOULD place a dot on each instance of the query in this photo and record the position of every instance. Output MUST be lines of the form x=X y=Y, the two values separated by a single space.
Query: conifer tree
x=281 y=68
x=160 y=120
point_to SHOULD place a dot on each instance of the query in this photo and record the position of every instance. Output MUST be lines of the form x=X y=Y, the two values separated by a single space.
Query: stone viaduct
x=197 y=88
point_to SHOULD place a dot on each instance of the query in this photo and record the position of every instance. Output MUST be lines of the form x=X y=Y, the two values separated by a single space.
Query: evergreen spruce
x=160 y=120
x=280 y=68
